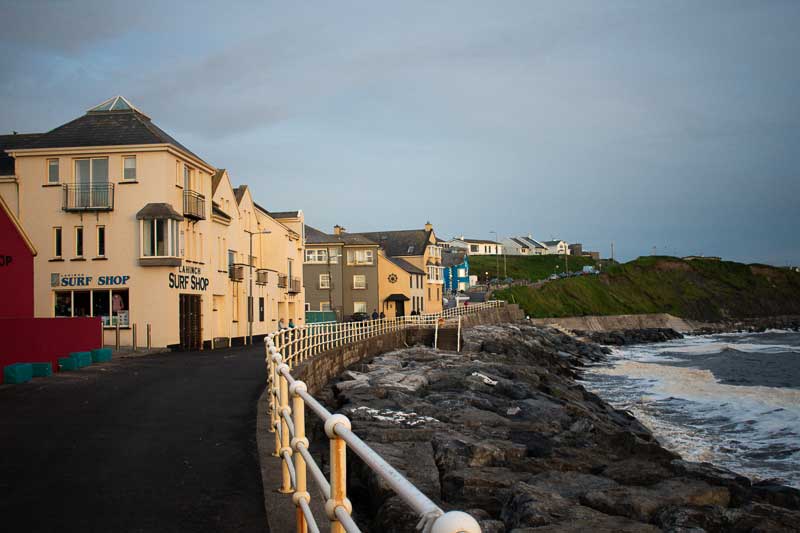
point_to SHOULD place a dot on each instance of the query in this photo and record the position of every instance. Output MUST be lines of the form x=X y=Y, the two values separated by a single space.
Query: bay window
x=160 y=237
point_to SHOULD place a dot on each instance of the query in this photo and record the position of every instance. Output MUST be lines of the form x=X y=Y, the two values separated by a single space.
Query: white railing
x=291 y=346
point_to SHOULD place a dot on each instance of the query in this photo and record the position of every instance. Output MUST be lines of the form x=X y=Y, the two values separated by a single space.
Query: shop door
x=190 y=321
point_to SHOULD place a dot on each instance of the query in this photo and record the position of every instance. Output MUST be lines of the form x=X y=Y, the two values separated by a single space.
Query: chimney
x=428 y=226
x=338 y=230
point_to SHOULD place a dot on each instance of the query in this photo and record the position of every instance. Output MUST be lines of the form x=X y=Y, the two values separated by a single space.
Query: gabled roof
x=405 y=265
x=520 y=242
x=15 y=222
x=216 y=178
x=400 y=243
x=284 y=214
x=530 y=241
x=315 y=236
x=450 y=259
x=158 y=210
x=553 y=243
x=238 y=192
x=120 y=126
x=11 y=142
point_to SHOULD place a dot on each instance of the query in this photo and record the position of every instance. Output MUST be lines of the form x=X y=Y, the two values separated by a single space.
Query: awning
x=397 y=298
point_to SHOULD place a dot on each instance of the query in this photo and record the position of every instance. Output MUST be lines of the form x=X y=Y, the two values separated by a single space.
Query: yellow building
x=135 y=228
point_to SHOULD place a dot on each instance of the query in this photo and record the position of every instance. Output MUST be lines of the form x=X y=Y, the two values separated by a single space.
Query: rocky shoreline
x=503 y=430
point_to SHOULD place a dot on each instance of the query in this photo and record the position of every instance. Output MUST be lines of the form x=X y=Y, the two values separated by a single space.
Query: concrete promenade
x=154 y=443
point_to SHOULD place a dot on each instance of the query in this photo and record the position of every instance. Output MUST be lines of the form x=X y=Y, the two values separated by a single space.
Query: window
x=411 y=281
x=359 y=307
x=359 y=281
x=473 y=247
x=91 y=172
x=324 y=281
x=231 y=259
x=324 y=306
x=160 y=238
x=129 y=168
x=78 y=241
x=461 y=273
x=429 y=293
x=52 y=171
x=359 y=257
x=317 y=256
x=308 y=306
x=101 y=241
x=110 y=305
x=57 y=242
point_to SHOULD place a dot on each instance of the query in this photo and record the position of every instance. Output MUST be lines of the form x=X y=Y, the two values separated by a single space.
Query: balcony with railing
x=295 y=285
x=86 y=197
x=261 y=277
x=283 y=281
x=194 y=205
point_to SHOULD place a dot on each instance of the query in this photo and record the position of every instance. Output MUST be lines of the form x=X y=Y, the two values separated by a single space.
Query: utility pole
x=612 y=251
x=250 y=295
x=496 y=256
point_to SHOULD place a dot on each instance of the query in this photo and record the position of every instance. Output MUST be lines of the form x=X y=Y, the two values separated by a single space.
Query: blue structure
x=456 y=271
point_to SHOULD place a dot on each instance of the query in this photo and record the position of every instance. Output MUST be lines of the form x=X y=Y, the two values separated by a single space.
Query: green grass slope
x=703 y=289
x=531 y=268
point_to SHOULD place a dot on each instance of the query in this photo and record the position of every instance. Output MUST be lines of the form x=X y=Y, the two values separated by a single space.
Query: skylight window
x=117 y=103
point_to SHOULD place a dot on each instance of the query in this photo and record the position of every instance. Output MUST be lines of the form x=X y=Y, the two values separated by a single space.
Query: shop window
x=52 y=171
x=78 y=241
x=129 y=168
x=159 y=237
x=101 y=241
x=57 y=242
x=111 y=306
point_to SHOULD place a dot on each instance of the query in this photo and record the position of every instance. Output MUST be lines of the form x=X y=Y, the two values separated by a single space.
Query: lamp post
x=496 y=256
x=250 y=295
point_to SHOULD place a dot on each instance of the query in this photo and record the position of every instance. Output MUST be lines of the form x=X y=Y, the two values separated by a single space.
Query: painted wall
x=16 y=271
x=352 y=295
x=40 y=340
x=314 y=296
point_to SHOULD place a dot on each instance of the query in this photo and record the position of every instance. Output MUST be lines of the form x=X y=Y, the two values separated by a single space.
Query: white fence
x=289 y=347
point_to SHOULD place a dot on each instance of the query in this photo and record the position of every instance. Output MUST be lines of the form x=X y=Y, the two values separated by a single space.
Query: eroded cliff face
x=503 y=430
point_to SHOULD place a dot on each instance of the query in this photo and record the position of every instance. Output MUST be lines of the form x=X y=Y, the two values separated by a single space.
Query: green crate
x=67 y=363
x=101 y=355
x=42 y=370
x=82 y=358
x=18 y=373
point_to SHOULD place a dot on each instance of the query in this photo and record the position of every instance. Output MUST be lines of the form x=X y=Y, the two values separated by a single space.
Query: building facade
x=476 y=246
x=134 y=228
x=456 y=272
x=524 y=245
x=557 y=247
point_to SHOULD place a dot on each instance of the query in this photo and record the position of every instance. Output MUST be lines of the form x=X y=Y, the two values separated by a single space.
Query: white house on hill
x=524 y=245
x=476 y=246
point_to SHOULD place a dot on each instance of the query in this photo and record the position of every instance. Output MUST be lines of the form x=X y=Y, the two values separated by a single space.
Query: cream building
x=135 y=228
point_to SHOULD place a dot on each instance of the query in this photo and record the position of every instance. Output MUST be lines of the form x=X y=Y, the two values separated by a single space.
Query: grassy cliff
x=702 y=289
x=531 y=268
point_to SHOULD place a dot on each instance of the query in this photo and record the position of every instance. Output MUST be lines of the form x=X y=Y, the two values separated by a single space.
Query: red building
x=26 y=339
x=16 y=267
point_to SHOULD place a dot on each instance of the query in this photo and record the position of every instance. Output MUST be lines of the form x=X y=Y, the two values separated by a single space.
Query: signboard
x=188 y=278
x=82 y=280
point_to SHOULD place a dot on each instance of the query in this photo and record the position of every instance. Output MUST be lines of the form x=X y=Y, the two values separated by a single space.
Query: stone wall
x=620 y=322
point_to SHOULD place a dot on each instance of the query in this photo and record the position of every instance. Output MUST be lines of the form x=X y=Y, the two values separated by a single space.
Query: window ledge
x=56 y=260
x=52 y=185
x=113 y=328
x=78 y=259
x=100 y=258
x=125 y=182
x=160 y=261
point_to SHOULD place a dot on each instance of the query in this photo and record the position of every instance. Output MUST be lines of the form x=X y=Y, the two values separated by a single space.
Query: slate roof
x=11 y=142
x=158 y=210
x=217 y=210
x=284 y=214
x=107 y=128
x=450 y=259
x=521 y=242
x=399 y=243
x=552 y=243
x=315 y=236
x=405 y=265
x=238 y=192
x=216 y=178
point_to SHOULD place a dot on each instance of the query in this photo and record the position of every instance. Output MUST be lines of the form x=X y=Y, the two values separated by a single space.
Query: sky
x=662 y=126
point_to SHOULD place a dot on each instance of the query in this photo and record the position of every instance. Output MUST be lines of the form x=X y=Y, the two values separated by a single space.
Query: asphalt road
x=154 y=443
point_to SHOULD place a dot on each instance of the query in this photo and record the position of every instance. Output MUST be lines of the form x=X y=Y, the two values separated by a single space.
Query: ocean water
x=730 y=399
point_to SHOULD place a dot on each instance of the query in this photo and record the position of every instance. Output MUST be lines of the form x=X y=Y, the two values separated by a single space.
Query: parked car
x=553 y=276
x=358 y=317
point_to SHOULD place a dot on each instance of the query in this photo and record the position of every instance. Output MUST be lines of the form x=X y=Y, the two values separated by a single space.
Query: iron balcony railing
x=291 y=346
x=85 y=197
x=283 y=281
x=194 y=205
x=295 y=285
x=236 y=272
x=262 y=277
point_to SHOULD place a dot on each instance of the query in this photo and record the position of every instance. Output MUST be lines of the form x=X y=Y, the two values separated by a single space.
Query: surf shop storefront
x=168 y=299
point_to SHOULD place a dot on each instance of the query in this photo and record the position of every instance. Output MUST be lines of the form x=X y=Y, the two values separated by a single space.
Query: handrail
x=291 y=346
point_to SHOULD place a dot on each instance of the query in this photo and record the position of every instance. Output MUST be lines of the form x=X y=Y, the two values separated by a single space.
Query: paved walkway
x=156 y=443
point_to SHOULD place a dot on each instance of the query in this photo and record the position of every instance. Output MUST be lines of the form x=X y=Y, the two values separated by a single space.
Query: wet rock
x=485 y=487
x=630 y=336
x=738 y=485
x=636 y=472
x=773 y=493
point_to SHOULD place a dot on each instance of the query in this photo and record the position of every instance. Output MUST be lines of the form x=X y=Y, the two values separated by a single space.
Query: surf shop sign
x=188 y=277
x=82 y=280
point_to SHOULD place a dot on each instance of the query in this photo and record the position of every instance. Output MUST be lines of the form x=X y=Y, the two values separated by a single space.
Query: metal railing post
x=299 y=419
x=285 y=410
x=133 y=333
x=436 y=336
x=149 y=337
x=338 y=451
x=458 y=337
x=116 y=341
